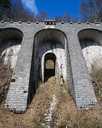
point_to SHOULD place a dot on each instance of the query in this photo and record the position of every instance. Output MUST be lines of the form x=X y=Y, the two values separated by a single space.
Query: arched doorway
x=49 y=65
x=91 y=45
x=49 y=45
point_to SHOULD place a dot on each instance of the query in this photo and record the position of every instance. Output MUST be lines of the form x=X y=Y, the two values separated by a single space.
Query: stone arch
x=48 y=65
x=50 y=41
x=10 y=43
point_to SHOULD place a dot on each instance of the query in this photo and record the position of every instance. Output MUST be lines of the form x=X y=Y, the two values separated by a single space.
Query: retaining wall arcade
x=76 y=72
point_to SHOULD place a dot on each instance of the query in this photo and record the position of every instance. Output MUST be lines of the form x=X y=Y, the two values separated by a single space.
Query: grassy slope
x=63 y=114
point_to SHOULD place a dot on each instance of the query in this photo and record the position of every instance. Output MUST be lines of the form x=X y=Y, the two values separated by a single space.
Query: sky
x=52 y=7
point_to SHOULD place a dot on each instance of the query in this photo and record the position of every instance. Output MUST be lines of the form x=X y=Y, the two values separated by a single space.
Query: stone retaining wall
x=80 y=84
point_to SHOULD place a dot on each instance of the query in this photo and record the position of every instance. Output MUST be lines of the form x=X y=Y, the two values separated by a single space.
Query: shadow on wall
x=10 y=44
x=89 y=37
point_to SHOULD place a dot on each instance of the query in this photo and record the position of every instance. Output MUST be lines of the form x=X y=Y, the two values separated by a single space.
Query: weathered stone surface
x=5 y=76
x=80 y=84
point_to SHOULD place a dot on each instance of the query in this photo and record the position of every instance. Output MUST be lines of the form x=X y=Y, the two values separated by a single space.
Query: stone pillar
x=83 y=90
x=18 y=92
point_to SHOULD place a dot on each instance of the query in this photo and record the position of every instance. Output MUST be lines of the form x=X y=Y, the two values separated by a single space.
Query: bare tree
x=65 y=18
x=15 y=12
x=91 y=10
x=41 y=16
x=5 y=8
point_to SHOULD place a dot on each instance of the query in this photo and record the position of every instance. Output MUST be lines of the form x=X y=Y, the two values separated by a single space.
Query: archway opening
x=10 y=44
x=51 y=45
x=50 y=57
x=91 y=45
x=49 y=66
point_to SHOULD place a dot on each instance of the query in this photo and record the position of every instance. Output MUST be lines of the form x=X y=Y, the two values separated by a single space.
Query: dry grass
x=64 y=113
x=5 y=76
x=96 y=75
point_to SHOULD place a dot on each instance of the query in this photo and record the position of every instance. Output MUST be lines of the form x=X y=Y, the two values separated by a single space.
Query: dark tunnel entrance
x=49 y=66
